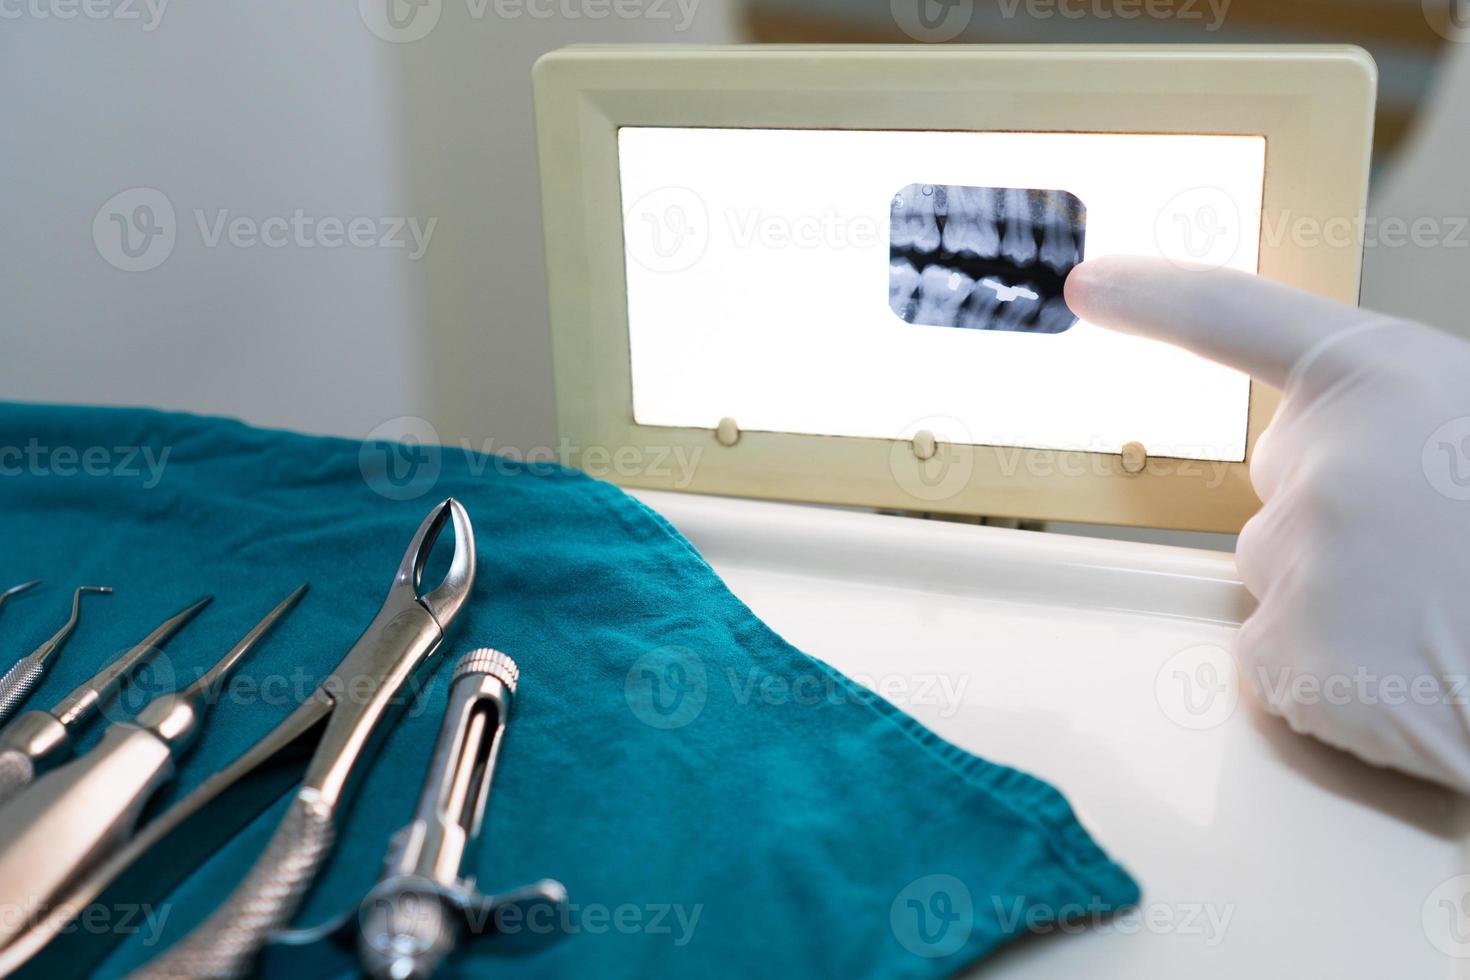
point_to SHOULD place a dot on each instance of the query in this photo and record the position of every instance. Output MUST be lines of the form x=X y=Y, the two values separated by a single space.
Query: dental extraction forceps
x=23 y=678
x=84 y=810
x=38 y=740
x=424 y=905
x=355 y=702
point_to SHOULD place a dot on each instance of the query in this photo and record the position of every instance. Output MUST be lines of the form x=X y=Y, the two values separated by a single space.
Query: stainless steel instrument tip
x=23 y=678
x=18 y=589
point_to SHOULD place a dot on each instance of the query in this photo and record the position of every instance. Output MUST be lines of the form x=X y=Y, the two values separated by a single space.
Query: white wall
x=260 y=109
x=264 y=108
x=1429 y=282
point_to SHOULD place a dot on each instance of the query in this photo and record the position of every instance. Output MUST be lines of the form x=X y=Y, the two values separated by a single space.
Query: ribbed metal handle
x=486 y=660
x=225 y=945
x=18 y=683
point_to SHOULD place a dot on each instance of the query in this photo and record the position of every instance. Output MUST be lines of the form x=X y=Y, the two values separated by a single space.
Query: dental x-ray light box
x=835 y=274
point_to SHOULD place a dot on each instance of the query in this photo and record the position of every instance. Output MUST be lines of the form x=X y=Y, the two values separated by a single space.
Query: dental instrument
x=25 y=676
x=82 y=811
x=16 y=590
x=422 y=905
x=38 y=740
x=347 y=716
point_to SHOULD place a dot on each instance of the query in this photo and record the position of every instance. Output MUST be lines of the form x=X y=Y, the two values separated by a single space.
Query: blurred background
x=331 y=210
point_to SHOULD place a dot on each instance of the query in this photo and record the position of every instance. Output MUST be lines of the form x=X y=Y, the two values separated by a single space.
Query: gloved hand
x=1360 y=557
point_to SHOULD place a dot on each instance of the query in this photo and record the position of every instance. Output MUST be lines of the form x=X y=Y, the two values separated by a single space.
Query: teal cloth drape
x=705 y=823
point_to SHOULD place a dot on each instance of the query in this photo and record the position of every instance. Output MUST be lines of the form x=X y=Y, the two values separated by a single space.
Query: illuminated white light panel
x=758 y=287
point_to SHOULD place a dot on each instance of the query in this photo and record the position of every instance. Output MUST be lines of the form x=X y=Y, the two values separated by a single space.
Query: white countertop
x=1097 y=665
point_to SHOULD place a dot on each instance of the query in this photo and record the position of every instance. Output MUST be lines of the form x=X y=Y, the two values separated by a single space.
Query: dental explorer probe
x=25 y=676
x=37 y=740
x=16 y=590
x=80 y=813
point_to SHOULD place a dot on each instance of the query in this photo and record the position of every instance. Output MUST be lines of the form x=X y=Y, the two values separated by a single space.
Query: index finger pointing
x=1242 y=321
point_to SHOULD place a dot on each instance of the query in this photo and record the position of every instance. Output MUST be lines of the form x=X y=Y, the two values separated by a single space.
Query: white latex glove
x=1360 y=558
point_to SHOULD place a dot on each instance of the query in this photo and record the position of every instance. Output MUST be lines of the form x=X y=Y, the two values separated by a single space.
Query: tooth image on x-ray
x=983 y=258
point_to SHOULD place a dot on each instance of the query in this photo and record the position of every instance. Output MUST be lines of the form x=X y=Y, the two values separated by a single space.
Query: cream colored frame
x=1314 y=105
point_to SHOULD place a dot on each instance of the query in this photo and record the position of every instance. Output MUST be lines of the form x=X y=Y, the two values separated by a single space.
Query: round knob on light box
x=925 y=445
x=1135 y=458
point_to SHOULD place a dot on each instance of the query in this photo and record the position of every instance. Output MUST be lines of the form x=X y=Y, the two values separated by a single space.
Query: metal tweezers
x=337 y=728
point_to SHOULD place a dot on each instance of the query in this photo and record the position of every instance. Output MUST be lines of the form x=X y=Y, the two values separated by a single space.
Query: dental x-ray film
x=872 y=283
x=983 y=258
